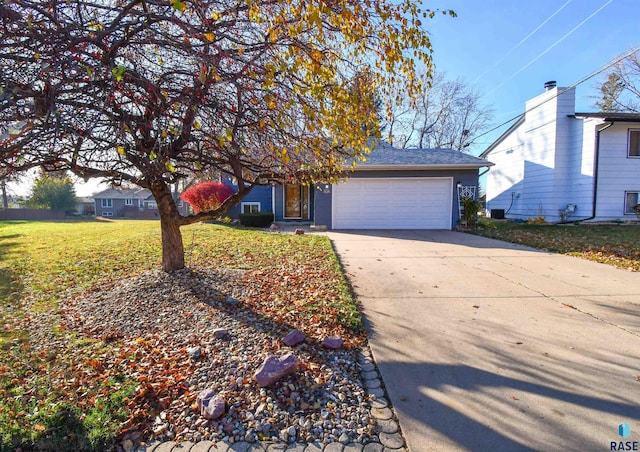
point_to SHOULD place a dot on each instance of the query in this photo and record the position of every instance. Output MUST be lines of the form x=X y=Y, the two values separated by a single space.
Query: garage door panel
x=418 y=203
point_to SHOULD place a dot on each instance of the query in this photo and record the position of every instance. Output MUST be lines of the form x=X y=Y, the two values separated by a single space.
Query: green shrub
x=470 y=213
x=256 y=219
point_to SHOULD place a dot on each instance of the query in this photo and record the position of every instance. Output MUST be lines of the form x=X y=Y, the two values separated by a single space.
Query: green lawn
x=613 y=244
x=42 y=263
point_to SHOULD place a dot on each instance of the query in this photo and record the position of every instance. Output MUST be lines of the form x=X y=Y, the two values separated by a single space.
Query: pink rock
x=294 y=337
x=332 y=342
x=274 y=227
x=274 y=368
x=210 y=404
x=299 y=231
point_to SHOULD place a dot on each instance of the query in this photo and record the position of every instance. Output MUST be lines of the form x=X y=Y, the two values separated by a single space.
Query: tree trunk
x=172 y=248
x=5 y=199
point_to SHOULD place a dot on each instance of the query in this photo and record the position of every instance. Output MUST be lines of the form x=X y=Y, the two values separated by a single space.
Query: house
x=85 y=205
x=130 y=203
x=393 y=189
x=561 y=165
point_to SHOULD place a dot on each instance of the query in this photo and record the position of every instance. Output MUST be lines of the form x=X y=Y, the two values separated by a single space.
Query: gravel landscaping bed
x=180 y=334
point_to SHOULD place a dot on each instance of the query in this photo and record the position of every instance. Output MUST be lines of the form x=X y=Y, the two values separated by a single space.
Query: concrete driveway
x=489 y=346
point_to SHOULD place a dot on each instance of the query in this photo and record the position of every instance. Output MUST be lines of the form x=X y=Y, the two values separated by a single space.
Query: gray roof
x=385 y=155
x=114 y=193
x=611 y=116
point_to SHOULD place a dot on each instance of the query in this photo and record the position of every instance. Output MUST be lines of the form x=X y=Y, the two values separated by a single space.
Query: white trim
x=273 y=201
x=451 y=200
x=104 y=204
x=106 y=214
x=151 y=205
x=128 y=202
x=629 y=131
x=250 y=203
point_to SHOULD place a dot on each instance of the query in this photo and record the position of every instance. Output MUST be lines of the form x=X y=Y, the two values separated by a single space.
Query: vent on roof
x=549 y=85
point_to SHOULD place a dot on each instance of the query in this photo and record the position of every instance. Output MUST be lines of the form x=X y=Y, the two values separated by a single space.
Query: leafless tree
x=620 y=89
x=448 y=114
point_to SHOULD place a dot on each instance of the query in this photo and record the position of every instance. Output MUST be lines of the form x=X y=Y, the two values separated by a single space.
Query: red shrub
x=206 y=196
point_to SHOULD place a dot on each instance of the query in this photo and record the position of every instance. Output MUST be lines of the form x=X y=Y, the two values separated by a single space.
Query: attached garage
x=393 y=203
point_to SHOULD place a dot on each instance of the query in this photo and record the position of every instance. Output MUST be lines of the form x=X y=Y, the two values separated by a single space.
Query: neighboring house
x=132 y=203
x=562 y=165
x=85 y=205
x=393 y=189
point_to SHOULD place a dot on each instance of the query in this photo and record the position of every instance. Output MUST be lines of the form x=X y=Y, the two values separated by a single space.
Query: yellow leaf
x=196 y=125
x=164 y=134
x=210 y=36
x=120 y=150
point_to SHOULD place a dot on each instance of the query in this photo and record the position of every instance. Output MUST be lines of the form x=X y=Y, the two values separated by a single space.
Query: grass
x=613 y=244
x=61 y=400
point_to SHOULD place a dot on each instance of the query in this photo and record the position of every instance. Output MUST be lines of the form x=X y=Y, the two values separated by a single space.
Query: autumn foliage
x=206 y=196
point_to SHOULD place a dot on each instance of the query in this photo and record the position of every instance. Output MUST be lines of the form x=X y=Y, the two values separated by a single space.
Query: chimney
x=549 y=85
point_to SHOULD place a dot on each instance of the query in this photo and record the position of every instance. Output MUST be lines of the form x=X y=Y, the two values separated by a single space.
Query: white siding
x=617 y=173
x=505 y=179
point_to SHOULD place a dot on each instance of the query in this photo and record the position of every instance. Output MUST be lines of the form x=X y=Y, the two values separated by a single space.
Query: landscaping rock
x=232 y=301
x=299 y=231
x=274 y=227
x=210 y=404
x=334 y=342
x=194 y=352
x=294 y=337
x=274 y=368
x=220 y=333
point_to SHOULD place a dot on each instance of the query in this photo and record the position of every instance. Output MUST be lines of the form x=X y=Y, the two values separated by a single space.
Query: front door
x=296 y=201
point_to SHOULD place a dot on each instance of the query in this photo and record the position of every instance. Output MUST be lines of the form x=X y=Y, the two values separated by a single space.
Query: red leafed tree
x=151 y=92
x=207 y=196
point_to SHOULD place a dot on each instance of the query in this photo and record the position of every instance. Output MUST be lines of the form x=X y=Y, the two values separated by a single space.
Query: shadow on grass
x=7 y=244
x=61 y=431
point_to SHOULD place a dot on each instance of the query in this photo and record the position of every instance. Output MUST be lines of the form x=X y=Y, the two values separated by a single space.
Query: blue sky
x=485 y=31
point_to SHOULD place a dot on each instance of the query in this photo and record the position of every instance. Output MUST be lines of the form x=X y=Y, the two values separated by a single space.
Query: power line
x=525 y=39
x=579 y=82
x=544 y=52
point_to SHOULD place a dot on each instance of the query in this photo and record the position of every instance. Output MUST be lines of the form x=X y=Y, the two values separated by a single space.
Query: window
x=634 y=143
x=107 y=214
x=128 y=202
x=152 y=205
x=250 y=207
x=631 y=198
x=107 y=203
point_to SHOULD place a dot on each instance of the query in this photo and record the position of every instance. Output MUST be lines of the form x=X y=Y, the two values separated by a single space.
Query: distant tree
x=447 y=114
x=620 y=90
x=207 y=196
x=151 y=92
x=610 y=91
x=52 y=193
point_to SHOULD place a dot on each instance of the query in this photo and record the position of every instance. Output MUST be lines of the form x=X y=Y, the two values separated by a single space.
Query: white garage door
x=407 y=203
